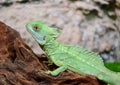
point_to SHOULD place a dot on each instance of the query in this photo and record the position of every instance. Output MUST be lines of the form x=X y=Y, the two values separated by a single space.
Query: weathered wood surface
x=20 y=66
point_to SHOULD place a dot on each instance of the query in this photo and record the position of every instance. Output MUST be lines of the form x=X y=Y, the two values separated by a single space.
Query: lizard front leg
x=56 y=71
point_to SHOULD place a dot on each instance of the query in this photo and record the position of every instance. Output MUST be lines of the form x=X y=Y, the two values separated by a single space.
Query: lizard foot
x=45 y=72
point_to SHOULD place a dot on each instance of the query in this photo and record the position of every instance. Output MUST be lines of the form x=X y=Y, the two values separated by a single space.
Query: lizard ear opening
x=41 y=40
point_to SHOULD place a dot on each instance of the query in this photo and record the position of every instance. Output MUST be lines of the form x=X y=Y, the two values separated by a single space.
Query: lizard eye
x=36 y=27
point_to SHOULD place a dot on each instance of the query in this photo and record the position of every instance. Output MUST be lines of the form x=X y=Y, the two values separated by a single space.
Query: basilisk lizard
x=74 y=58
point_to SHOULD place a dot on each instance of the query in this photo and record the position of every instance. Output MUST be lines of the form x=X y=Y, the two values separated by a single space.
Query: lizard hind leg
x=56 y=71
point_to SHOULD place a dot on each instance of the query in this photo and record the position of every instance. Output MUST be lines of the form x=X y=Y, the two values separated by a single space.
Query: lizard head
x=40 y=31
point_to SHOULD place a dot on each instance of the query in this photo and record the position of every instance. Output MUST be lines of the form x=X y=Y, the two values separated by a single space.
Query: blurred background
x=92 y=24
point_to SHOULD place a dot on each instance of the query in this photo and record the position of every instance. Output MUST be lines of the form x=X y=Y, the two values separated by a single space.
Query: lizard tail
x=113 y=78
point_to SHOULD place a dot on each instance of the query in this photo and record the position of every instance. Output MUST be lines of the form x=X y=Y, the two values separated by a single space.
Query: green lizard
x=74 y=58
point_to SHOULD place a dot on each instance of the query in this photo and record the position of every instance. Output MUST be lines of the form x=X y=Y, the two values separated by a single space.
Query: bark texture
x=20 y=66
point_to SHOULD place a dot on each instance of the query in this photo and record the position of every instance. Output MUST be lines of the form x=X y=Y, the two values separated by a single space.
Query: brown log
x=20 y=66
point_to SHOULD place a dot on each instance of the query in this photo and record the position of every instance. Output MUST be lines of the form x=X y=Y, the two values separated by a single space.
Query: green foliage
x=114 y=66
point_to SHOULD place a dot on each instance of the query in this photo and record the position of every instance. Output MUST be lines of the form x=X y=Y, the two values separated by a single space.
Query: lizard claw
x=45 y=72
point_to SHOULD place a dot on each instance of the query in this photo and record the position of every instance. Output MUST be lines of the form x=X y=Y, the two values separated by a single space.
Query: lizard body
x=76 y=59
